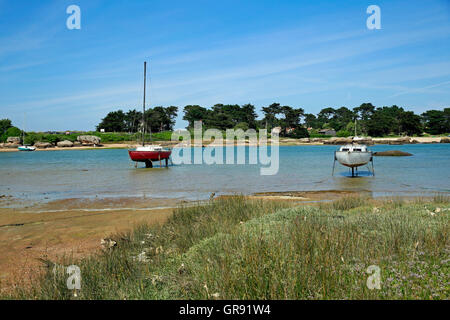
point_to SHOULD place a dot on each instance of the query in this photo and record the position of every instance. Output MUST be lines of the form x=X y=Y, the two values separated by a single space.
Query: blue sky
x=309 y=54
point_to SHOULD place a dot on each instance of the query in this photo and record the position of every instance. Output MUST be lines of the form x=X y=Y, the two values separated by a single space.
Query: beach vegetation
x=240 y=248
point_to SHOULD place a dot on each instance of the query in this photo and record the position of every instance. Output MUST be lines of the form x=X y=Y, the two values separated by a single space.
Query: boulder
x=65 y=144
x=76 y=143
x=445 y=140
x=304 y=140
x=43 y=145
x=89 y=140
x=15 y=140
x=337 y=141
x=366 y=140
x=11 y=145
x=403 y=140
x=316 y=140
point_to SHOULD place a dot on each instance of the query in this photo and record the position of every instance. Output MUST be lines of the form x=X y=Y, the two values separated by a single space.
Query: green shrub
x=343 y=133
x=11 y=132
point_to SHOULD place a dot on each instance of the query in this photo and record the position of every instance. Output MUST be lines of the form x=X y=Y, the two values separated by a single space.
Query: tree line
x=157 y=119
x=294 y=122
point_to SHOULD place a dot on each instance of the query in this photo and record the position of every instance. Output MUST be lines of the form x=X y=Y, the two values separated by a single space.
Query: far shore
x=282 y=142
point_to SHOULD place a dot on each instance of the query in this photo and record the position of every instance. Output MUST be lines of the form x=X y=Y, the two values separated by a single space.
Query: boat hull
x=143 y=156
x=23 y=148
x=353 y=159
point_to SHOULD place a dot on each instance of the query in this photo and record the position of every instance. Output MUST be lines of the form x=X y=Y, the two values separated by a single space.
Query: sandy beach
x=75 y=227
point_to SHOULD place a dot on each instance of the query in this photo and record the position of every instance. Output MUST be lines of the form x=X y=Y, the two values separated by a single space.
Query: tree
x=311 y=121
x=5 y=124
x=363 y=114
x=291 y=118
x=324 y=117
x=133 y=118
x=113 y=122
x=270 y=115
x=410 y=123
x=194 y=113
x=436 y=121
x=249 y=115
x=341 y=118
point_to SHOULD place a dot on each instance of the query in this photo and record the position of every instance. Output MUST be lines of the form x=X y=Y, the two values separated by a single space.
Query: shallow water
x=109 y=173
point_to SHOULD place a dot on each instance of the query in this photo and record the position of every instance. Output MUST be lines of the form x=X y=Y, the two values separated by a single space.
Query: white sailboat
x=23 y=147
x=354 y=155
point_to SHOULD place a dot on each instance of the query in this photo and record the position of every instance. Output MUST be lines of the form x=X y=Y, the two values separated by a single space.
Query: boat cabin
x=354 y=148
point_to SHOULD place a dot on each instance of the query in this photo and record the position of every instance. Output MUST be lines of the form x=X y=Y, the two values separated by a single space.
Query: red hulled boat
x=148 y=153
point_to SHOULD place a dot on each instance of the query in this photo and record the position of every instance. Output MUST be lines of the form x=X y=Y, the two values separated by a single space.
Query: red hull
x=143 y=156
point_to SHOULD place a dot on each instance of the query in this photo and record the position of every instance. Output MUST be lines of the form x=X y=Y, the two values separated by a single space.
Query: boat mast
x=143 y=107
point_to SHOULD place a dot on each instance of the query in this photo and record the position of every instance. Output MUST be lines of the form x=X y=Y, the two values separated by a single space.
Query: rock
x=89 y=140
x=337 y=141
x=11 y=145
x=43 y=145
x=445 y=140
x=76 y=143
x=392 y=153
x=304 y=140
x=65 y=144
x=108 y=243
x=404 y=140
x=14 y=140
x=366 y=140
x=316 y=140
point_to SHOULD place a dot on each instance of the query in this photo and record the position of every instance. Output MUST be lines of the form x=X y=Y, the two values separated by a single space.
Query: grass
x=236 y=248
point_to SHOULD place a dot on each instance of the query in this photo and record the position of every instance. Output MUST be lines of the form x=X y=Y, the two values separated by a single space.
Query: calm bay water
x=109 y=173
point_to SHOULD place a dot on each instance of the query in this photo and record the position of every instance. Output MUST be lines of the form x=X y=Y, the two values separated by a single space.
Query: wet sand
x=71 y=227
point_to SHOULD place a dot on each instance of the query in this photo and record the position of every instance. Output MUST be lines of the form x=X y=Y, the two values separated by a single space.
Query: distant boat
x=152 y=152
x=24 y=147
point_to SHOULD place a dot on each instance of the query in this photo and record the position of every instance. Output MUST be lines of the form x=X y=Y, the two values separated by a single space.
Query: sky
x=308 y=54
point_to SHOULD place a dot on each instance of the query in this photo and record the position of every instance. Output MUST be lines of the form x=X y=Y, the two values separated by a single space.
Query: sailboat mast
x=143 y=107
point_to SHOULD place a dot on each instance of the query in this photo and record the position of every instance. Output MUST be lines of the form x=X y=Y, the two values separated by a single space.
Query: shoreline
x=282 y=142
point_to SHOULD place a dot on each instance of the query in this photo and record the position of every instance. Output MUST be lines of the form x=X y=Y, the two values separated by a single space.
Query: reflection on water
x=90 y=173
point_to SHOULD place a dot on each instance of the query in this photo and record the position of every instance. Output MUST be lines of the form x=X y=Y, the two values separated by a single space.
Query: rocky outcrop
x=337 y=141
x=89 y=140
x=304 y=140
x=65 y=144
x=445 y=140
x=392 y=153
x=397 y=141
x=14 y=140
x=10 y=145
x=76 y=143
x=43 y=145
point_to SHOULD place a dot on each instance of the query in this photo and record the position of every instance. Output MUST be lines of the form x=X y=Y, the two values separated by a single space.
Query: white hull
x=353 y=159
x=26 y=148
